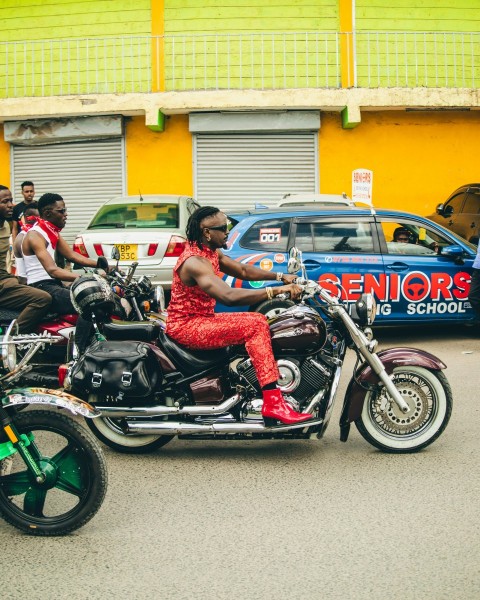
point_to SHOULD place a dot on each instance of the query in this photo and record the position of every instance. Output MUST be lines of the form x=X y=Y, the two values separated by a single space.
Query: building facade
x=239 y=102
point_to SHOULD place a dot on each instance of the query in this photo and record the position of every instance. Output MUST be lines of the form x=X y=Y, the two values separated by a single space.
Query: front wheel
x=429 y=398
x=75 y=482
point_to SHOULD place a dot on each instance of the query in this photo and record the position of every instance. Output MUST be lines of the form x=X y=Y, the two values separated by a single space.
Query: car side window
x=270 y=235
x=334 y=237
x=411 y=239
x=454 y=205
x=472 y=203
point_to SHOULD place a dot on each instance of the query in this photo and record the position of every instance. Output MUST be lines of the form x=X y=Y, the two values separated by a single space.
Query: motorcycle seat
x=140 y=331
x=190 y=362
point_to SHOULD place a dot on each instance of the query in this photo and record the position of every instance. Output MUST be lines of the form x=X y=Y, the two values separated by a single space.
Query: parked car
x=149 y=229
x=423 y=279
x=461 y=212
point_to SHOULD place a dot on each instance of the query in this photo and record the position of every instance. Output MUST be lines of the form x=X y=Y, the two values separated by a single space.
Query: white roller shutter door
x=236 y=171
x=85 y=174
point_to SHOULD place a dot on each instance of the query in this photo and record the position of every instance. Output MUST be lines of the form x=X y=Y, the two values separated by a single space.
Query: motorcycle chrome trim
x=163 y=410
x=57 y=398
x=288 y=365
x=179 y=428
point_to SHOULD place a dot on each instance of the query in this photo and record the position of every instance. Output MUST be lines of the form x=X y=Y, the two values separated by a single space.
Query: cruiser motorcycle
x=150 y=390
x=53 y=475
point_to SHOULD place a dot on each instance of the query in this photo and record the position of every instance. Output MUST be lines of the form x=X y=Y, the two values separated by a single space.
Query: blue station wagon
x=418 y=277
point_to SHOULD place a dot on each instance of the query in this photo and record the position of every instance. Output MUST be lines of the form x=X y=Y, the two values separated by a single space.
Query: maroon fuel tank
x=298 y=330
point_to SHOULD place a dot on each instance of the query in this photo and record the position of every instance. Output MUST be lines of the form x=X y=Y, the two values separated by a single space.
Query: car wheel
x=272 y=308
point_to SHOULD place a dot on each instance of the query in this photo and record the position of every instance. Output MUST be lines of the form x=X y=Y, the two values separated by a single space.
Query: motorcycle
x=134 y=300
x=53 y=475
x=148 y=392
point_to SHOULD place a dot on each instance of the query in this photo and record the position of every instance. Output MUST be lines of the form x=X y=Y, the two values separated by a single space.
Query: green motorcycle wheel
x=76 y=476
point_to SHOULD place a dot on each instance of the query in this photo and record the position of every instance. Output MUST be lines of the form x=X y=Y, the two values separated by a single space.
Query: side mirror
x=294 y=260
x=453 y=251
x=115 y=253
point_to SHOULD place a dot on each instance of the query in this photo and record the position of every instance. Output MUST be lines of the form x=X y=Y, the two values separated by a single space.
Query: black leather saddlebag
x=116 y=368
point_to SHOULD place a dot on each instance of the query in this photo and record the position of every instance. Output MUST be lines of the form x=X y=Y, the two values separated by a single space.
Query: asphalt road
x=280 y=519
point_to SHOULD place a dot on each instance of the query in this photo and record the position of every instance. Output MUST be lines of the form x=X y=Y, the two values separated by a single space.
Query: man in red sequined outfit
x=197 y=285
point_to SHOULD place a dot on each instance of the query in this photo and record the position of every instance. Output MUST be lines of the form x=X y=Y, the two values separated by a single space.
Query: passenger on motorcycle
x=197 y=285
x=32 y=303
x=39 y=246
x=28 y=220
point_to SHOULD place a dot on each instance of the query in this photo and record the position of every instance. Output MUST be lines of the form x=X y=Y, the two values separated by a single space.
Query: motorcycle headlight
x=159 y=298
x=144 y=284
x=365 y=310
x=8 y=348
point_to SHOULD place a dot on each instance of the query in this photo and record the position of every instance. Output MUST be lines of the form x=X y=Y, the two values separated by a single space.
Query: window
x=330 y=237
x=412 y=239
x=454 y=205
x=472 y=203
x=268 y=236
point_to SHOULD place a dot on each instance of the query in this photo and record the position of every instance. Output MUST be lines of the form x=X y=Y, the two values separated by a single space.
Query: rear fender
x=58 y=398
x=391 y=359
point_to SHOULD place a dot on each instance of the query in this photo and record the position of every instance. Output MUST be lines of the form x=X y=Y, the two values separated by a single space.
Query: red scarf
x=52 y=231
x=28 y=223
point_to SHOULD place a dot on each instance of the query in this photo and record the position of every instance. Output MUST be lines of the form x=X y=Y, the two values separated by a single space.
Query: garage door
x=236 y=171
x=85 y=174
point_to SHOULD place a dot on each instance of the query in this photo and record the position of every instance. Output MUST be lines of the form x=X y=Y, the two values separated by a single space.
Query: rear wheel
x=112 y=433
x=429 y=398
x=75 y=470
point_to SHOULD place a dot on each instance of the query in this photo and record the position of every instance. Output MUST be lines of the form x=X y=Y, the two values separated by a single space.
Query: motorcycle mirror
x=294 y=260
x=115 y=253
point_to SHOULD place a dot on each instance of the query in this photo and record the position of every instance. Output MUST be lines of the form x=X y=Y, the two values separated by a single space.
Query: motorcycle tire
x=110 y=431
x=272 y=308
x=76 y=477
x=429 y=397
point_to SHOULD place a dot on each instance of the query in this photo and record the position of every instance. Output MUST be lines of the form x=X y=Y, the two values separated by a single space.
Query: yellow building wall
x=4 y=160
x=159 y=163
x=417 y=158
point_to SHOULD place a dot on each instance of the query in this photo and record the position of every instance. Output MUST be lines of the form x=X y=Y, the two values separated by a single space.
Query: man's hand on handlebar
x=292 y=291
x=287 y=278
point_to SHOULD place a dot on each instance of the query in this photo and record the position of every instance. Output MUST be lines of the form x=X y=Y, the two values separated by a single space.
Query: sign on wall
x=362 y=181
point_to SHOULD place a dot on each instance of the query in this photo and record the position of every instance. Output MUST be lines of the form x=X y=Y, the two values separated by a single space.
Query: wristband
x=269 y=291
x=279 y=276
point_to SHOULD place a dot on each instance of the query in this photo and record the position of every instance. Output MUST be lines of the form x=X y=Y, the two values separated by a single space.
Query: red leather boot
x=275 y=407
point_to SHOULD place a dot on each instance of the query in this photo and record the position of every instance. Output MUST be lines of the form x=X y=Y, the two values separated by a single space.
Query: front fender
x=391 y=359
x=59 y=398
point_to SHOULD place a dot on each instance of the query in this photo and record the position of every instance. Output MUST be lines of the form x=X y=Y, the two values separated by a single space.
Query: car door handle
x=397 y=267
x=312 y=262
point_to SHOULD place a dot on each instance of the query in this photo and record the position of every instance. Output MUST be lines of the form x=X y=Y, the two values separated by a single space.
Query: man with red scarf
x=33 y=304
x=197 y=285
x=38 y=248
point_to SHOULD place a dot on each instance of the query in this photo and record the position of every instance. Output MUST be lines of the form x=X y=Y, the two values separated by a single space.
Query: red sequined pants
x=226 y=329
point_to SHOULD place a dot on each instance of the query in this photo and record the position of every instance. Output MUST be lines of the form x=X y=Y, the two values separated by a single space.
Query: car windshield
x=139 y=215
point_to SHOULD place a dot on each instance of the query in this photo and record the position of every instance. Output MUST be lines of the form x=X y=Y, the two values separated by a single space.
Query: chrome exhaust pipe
x=161 y=410
x=179 y=428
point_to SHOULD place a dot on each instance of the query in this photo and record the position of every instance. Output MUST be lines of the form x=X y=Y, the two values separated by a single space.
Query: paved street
x=280 y=520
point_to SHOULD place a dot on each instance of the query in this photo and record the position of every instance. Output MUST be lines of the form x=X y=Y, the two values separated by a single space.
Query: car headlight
x=365 y=310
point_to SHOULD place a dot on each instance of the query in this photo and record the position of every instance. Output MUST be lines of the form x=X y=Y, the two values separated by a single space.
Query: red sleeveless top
x=191 y=301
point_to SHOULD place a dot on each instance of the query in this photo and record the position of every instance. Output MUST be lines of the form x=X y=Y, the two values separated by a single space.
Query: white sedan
x=147 y=229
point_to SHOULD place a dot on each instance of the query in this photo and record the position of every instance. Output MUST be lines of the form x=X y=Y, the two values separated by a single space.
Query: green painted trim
x=160 y=127
x=356 y=118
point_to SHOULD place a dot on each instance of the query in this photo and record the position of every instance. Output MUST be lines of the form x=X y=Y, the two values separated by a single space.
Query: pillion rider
x=33 y=304
x=197 y=285
x=39 y=246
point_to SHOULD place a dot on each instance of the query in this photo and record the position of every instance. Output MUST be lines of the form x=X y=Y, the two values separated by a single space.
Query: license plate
x=127 y=251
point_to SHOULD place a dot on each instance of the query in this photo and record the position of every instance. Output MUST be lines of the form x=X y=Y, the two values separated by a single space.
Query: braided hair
x=193 y=229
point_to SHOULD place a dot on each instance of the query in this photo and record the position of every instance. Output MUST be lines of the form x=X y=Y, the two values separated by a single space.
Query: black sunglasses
x=60 y=210
x=223 y=228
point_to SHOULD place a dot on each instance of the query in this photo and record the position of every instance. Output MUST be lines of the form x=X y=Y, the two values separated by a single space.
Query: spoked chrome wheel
x=74 y=476
x=112 y=433
x=429 y=399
